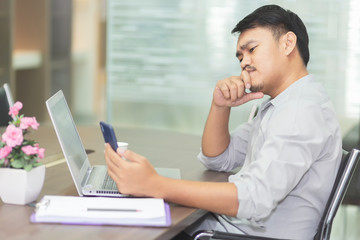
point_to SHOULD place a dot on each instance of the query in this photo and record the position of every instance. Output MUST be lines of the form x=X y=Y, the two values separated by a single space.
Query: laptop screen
x=67 y=133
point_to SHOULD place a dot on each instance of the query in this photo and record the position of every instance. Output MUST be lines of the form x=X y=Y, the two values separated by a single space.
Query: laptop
x=89 y=180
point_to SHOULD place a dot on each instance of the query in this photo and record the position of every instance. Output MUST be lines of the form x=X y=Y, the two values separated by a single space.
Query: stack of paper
x=102 y=211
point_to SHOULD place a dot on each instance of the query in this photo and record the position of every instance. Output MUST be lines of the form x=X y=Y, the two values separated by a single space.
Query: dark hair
x=279 y=21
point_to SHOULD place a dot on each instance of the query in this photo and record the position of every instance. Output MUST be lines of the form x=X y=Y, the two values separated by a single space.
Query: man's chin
x=256 y=88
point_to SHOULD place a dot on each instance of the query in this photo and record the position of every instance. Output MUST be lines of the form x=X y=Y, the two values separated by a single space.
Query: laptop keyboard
x=100 y=175
x=109 y=183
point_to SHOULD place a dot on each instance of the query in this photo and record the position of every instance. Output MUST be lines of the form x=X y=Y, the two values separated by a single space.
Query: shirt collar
x=289 y=91
x=286 y=93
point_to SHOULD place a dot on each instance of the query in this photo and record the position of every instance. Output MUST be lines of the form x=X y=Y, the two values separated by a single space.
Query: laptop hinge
x=86 y=177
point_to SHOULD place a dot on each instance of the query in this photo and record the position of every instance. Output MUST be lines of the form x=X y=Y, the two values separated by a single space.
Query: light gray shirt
x=289 y=155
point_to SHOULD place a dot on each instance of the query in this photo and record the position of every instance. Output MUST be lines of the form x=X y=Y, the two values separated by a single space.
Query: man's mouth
x=249 y=68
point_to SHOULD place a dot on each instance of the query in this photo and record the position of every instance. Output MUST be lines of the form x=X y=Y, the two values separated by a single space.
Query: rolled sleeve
x=264 y=183
x=234 y=154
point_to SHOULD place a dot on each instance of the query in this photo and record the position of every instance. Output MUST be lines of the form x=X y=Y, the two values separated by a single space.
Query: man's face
x=259 y=54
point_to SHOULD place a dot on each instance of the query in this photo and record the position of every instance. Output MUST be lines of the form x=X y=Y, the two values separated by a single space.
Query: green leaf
x=28 y=142
x=37 y=164
x=28 y=167
x=17 y=164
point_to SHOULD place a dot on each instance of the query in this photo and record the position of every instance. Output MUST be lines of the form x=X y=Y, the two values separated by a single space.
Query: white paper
x=101 y=210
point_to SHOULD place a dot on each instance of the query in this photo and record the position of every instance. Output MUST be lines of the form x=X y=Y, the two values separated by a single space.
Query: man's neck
x=289 y=79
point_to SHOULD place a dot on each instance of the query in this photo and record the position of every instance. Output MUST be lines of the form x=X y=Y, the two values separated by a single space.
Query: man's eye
x=252 y=49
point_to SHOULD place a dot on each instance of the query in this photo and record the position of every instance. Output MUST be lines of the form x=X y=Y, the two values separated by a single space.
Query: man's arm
x=216 y=136
x=137 y=177
x=228 y=93
x=216 y=197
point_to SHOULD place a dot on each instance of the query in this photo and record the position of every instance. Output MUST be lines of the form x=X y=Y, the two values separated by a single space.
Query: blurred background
x=154 y=63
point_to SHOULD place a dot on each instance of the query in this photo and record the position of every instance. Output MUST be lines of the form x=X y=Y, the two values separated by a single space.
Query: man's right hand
x=230 y=92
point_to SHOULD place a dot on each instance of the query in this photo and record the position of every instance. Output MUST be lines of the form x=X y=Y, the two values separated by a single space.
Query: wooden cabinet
x=35 y=51
x=30 y=55
x=5 y=41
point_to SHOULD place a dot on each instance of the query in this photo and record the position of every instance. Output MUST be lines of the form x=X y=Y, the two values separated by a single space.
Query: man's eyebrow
x=244 y=46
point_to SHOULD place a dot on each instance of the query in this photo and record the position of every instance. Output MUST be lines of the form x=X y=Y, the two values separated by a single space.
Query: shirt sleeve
x=234 y=154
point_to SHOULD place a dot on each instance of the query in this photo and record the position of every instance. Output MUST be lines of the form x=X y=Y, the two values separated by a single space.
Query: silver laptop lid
x=69 y=138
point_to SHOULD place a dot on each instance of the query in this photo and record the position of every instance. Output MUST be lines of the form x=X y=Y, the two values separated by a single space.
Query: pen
x=112 y=210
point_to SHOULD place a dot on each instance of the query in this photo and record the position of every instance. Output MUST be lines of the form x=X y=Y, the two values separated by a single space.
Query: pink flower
x=27 y=122
x=4 y=152
x=13 y=136
x=14 y=110
x=29 y=150
x=41 y=153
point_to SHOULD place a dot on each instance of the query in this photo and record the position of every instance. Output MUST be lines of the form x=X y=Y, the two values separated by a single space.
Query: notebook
x=89 y=180
x=102 y=211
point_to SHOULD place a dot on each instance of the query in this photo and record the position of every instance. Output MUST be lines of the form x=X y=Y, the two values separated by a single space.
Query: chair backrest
x=6 y=101
x=343 y=177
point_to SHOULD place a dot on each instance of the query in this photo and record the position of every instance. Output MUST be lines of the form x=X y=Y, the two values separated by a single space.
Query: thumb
x=130 y=155
x=248 y=97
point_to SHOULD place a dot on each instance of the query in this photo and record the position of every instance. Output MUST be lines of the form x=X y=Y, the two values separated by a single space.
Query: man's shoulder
x=303 y=94
x=304 y=105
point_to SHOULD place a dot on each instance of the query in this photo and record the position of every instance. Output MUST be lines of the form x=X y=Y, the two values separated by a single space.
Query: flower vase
x=18 y=186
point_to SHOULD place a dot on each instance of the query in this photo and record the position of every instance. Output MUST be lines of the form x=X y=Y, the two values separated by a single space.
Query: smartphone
x=109 y=135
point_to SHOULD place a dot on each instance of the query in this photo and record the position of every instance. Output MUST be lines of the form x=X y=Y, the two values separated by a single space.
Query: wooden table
x=162 y=148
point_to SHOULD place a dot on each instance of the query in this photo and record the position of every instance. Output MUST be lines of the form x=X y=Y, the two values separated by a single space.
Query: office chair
x=6 y=100
x=343 y=177
x=352 y=140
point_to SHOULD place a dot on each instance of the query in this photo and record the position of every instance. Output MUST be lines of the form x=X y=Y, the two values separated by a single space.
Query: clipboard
x=154 y=212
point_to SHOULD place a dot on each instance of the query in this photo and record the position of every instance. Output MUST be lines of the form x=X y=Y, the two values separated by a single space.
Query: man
x=289 y=153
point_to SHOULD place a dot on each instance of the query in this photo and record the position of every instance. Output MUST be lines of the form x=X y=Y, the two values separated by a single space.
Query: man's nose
x=246 y=61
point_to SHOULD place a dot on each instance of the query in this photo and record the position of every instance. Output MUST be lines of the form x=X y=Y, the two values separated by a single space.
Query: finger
x=113 y=174
x=236 y=86
x=224 y=88
x=112 y=169
x=233 y=90
x=115 y=167
x=245 y=77
x=240 y=88
x=110 y=164
x=133 y=157
x=217 y=92
x=248 y=97
x=112 y=157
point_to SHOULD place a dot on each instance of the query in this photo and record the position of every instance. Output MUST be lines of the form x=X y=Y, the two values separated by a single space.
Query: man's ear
x=289 y=41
